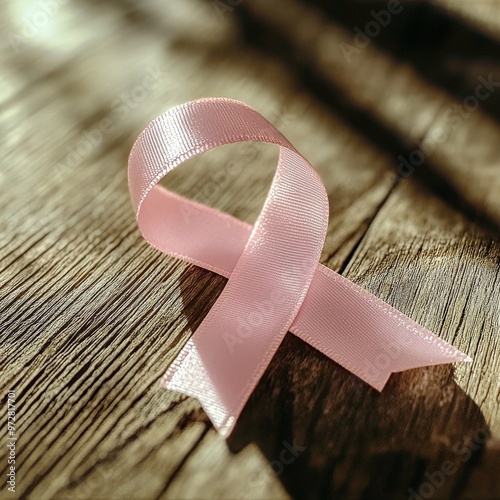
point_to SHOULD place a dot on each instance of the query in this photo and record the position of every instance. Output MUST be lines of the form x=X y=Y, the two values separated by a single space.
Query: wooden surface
x=91 y=316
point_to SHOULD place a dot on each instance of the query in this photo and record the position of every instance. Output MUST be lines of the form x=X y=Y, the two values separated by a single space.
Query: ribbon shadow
x=326 y=434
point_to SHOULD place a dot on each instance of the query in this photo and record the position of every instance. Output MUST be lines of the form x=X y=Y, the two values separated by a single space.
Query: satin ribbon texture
x=275 y=282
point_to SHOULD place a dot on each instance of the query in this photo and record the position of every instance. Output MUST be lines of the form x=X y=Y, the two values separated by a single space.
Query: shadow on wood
x=436 y=63
x=327 y=434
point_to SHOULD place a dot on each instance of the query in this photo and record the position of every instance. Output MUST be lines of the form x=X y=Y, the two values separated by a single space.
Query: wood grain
x=91 y=316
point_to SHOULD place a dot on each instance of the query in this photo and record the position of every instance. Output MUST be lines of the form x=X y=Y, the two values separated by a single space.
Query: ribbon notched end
x=275 y=282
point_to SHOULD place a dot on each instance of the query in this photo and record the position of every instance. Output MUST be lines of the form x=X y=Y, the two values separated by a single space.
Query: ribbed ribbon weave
x=276 y=283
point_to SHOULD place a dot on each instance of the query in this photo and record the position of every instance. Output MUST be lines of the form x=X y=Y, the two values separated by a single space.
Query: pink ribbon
x=276 y=283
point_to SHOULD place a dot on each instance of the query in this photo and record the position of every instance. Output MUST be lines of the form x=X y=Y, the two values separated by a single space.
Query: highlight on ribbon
x=275 y=281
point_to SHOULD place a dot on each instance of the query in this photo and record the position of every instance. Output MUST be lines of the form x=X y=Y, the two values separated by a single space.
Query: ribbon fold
x=276 y=283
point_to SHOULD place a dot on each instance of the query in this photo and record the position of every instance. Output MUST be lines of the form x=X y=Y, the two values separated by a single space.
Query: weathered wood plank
x=90 y=316
x=485 y=14
x=435 y=125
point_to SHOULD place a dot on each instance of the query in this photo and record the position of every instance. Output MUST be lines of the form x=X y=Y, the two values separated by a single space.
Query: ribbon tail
x=275 y=284
x=364 y=334
x=188 y=375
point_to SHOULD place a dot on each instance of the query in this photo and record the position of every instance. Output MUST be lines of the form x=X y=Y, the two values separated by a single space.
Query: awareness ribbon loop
x=276 y=283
